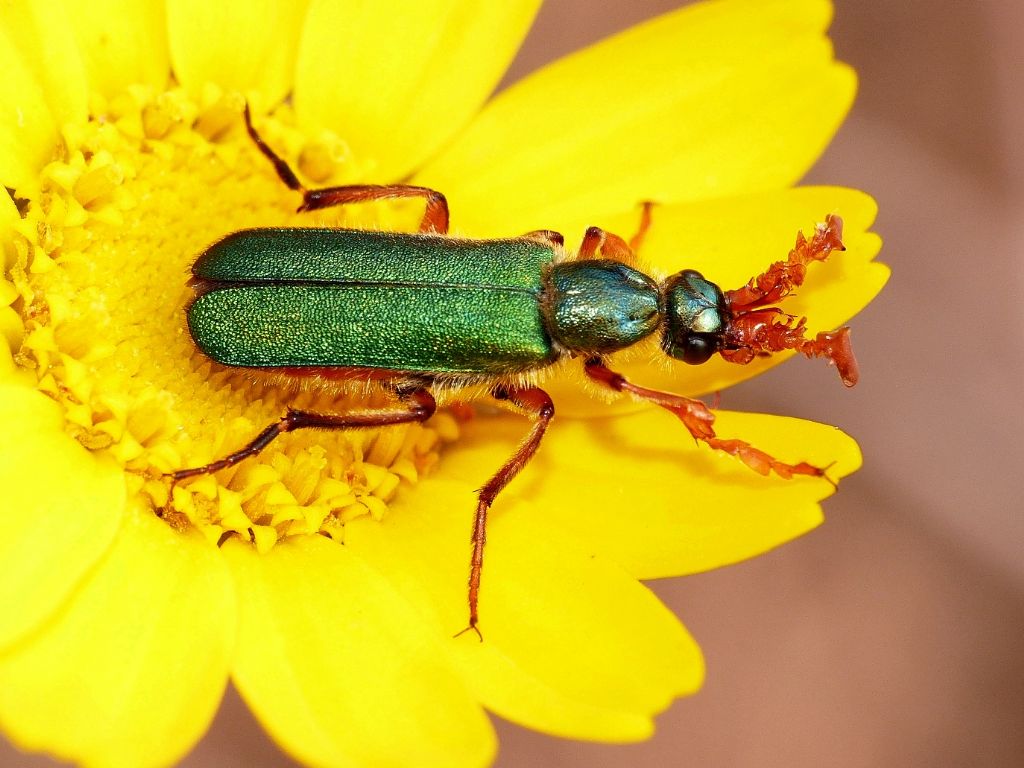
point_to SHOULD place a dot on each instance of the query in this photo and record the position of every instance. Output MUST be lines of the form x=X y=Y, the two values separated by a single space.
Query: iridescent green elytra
x=335 y=297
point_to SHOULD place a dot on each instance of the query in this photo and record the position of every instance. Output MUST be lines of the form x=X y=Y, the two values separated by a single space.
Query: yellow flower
x=121 y=628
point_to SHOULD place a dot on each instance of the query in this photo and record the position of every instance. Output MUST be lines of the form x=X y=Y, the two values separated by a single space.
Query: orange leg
x=435 y=217
x=598 y=242
x=699 y=420
x=536 y=403
x=637 y=240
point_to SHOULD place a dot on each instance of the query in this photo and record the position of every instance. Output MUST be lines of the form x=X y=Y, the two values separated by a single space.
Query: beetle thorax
x=600 y=306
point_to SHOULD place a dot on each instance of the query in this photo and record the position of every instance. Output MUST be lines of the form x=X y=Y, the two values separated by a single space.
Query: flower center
x=101 y=262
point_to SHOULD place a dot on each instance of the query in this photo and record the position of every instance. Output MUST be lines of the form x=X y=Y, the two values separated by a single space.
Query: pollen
x=95 y=291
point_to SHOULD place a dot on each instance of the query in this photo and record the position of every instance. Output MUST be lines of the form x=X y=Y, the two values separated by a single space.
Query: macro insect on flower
x=424 y=313
x=325 y=576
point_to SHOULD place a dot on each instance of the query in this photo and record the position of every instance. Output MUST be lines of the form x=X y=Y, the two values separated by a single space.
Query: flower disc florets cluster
x=100 y=264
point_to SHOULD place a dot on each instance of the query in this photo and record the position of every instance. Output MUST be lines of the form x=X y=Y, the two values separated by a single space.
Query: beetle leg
x=598 y=242
x=284 y=171
x=420 y=407
x=435 y=217
x=699 y=420
x=538 y=404
x=637 y=240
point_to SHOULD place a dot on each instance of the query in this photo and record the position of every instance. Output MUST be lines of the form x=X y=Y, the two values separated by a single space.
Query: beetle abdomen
x=409 y=328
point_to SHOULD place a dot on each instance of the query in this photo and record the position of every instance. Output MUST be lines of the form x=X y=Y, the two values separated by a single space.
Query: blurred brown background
x=894 y=635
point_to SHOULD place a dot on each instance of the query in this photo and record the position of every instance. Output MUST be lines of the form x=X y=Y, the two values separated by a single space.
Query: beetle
x=425 y=313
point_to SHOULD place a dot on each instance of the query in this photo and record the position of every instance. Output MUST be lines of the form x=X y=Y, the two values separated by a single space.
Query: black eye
x=698 y=349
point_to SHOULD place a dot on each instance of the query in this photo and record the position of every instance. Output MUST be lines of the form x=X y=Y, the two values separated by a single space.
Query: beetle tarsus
x=824 y=475
x=471 y=627
x=836 y=346
x=637 y=240
x=284 y=171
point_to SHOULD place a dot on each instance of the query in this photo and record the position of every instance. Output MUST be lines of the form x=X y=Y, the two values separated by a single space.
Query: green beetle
x=416 y=312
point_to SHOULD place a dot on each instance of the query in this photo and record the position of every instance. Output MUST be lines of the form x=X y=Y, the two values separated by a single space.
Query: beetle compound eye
x=694 y=348
x=698 y=348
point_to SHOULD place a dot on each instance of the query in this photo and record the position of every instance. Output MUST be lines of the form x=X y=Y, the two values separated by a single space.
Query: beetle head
x=696 y=317
x=740 y=325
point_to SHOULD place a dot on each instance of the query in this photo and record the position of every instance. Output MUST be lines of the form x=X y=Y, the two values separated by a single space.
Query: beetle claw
x=471 y=627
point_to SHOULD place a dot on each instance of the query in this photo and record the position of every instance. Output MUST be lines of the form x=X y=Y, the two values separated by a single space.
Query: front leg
x=699 y=420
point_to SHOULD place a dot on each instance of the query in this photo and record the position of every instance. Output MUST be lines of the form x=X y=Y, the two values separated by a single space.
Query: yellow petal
x=729 y=241
x=572 y=644
x=338 y=668
x=28 y=138
x=398 y=80
x=46 y=42
x=712 y=100
x=132 y=671
x=121 y=43
x=51 y=533
x=636 y=488
x=247 y=45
